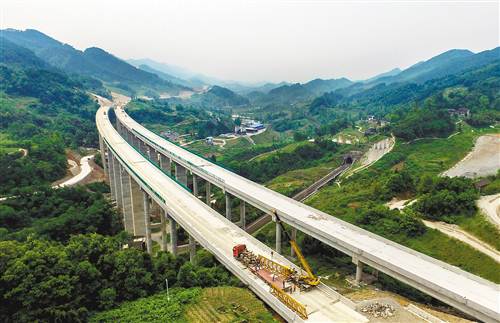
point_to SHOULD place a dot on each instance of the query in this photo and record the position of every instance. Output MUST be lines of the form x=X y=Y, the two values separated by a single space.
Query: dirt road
x=85 y=170
x=454 y=231
x=490 y=206
x=399 y=204
x=376 y=151
x=483 y=160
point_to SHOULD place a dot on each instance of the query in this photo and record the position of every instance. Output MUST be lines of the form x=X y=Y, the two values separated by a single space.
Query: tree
x=187 y=276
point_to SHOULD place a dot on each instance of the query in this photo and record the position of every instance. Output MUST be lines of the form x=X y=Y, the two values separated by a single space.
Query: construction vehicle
x=282 y=279
x=310 y=278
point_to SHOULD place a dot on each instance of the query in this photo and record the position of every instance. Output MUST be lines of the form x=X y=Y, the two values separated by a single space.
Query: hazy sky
x=266 y=40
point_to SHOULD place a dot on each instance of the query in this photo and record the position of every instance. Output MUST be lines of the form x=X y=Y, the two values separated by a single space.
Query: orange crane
x=310 y=278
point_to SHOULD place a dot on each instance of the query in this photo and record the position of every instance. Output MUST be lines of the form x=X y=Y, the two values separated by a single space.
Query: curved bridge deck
x=217 y=234
x=464 y=291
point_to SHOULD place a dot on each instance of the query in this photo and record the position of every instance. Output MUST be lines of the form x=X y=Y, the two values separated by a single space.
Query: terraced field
x=228 y=304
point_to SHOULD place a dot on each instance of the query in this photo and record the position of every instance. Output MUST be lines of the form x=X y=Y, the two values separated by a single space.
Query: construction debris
x=379 y=310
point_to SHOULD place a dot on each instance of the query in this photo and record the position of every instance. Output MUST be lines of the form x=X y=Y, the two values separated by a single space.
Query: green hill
x=93 y=62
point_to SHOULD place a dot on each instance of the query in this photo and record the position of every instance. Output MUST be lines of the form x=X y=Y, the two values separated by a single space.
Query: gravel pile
x=379 y=310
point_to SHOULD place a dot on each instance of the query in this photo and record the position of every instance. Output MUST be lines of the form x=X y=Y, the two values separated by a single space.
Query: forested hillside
x=44 y=111
x=93 y=62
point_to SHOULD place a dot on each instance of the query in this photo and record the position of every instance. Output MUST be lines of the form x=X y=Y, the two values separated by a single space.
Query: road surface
x=377 y=151
x=490 y=206
x=452 y=285
x=454 y=231
x=85 y=170
x=483 y=160
x=304 y=194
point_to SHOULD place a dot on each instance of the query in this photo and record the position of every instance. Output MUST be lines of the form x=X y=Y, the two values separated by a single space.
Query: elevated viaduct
x=160 y=158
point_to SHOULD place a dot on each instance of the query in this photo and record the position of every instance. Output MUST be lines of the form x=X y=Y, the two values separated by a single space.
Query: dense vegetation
x=218 y=304
x=295 y=156
x=57 y=214
x=51 y=281
x=44 y=163
x=93 y=62
x=184 y=120
x=43 y=126
x=445 y=198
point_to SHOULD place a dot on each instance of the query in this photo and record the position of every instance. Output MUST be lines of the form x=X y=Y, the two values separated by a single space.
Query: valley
x=411 y=156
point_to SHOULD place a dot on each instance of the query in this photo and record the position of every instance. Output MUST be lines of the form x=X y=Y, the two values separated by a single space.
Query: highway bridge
x=138 y=186
x=151 y=162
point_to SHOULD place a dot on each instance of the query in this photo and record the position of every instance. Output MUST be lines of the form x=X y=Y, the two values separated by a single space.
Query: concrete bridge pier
x=208 y=189
x=103 y=156
x=192 y=249
x=149 y=153
x=278 y=237
x=138 y=209
x=294 y=238
x=128 y=212
x=163 y=222
x=116 y=182
x=154 y=157
x=228 y=206
x=147 y=221
x=173 y=235
x=165 y=164
x=142 y=147
x=111 y=175
x=243 y=221
x=359 y=269
x=135 y=142
x=195 y=185
x=180 y=174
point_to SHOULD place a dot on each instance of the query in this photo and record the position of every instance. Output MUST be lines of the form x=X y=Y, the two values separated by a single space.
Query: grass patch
x=457 y=253
x=156 y=308
x=479 y=226
x=267 y=137
x=227 y=304
x=218 y=304
x=294 y=181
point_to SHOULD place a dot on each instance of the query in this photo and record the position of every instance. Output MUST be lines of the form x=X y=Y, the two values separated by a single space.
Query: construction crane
x=310 y=278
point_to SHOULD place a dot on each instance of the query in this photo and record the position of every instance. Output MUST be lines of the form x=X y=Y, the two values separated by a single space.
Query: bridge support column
x=111 y=175
x=173 y=236
x=135 y=142
x=243 y=212
x=165 y=164
x=208 y=189
x=147 y=221
x=294 y=237
x=138 y=209
x=103 y=156
x=192 y=249
x=180 y=174
x=155 y=209
x=228 y=206
x=163 y=221
x=153 y=155
x=118 y=187
x=359 y=269
x=278 y=237
x=128 y=213
x=143 y=147
x=195 y=185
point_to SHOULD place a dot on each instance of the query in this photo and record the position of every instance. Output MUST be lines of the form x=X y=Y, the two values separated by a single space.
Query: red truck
x=238 y=249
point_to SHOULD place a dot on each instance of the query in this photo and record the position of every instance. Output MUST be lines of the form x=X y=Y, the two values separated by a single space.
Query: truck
x=282 y=279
